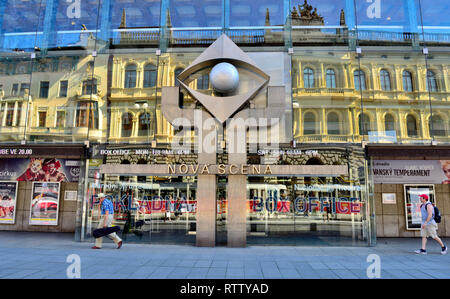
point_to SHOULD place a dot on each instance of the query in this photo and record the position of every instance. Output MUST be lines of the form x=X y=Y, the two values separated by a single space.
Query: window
x=364 y=124
x=331 y=78
x=87 y=114
x=89 y=87
x=360 y=80
x=308 y=78
x=203 y=82
x=63 y=85
x=437 y=126
x=176 y=73
x=60 y=119
x=150 y=74
x=15 y=89
x=431 y=82
x=389 y=123
x=309 y=124
x=9 y=114
x=127 y=124
x=43 y=90
x=42 y=118
x=130 y=76
x=411 y=126
x=407 y=81
x=385 y=80
x=144 y=124
x=24 y=88
x=333 y=124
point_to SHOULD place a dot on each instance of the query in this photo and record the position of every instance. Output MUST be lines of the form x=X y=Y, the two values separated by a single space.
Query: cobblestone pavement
x=56 y=255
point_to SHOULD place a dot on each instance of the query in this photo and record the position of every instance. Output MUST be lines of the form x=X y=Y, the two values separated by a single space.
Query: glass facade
x=354 y=72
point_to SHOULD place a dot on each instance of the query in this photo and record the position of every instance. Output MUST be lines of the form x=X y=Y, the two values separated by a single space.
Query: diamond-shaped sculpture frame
x=222 y=50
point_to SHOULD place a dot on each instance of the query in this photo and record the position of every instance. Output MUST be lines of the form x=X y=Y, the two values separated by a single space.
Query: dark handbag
x=101 y=232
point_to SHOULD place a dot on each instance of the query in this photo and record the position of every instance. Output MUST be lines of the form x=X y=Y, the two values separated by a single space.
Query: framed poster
x=44 y=203
x=389 y=198
x=70 y=195
x=8 y=200
x=412 y=204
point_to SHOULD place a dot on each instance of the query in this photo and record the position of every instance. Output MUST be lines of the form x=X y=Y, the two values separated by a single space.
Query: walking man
x=106 y=219
x=429 y=226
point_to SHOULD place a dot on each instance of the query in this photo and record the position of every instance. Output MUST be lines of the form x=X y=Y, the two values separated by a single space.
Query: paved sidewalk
x=44 y=255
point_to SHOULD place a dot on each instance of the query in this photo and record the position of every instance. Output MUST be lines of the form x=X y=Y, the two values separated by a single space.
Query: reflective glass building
x=92 y=93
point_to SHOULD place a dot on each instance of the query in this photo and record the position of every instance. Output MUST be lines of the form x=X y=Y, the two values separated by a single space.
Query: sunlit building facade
x=361 y=89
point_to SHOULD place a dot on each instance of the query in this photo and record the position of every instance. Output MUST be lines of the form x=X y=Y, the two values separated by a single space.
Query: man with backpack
x=429 y=225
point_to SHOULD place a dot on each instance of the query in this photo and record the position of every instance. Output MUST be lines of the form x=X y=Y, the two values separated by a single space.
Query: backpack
x=437 y=214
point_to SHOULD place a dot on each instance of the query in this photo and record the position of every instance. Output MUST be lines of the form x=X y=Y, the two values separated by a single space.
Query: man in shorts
x=429 y=226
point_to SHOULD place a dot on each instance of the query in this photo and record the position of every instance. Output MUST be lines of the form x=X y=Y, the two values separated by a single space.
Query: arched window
x=431 y=81
x=385 y=80
x=437 y=126
x=407 y=81
x=411 y=126
x=389 y=123
x=308 y=78
x=364 y=124
x=130 y=76
x=127 y=124
x=150 y=74
x=144 y=124
x=89 y=87
x=331 y=78
x=175 y=74
x=203 y=82
x=359 y=78
x=309 y=124
x=333 y=124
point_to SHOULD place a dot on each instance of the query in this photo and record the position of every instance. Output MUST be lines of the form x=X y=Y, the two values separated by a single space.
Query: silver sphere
x=224 y=77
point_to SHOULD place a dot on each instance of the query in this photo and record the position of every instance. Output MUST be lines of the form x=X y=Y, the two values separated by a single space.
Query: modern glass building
x=344 y=110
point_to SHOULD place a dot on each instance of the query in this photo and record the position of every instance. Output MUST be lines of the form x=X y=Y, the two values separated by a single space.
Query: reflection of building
x=395 y=98
x=65 y=98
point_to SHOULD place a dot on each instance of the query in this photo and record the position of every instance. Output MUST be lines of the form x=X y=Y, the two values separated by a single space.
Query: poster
x=44 y=203
x=411 y=171
x=412 y=204
x=8 y=199
x=39 y=169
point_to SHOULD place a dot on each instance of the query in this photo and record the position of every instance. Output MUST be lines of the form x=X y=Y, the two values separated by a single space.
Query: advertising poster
x=44 y=203
x=411 y=171
x=39 y=169
x=412 y=204
x=8 y=198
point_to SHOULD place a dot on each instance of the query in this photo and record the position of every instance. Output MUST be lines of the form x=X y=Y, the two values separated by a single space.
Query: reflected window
x=42 y=118
x=203 y=82
x=331 y=78
x=127 y=124
x=60 y=119
x=385 y=80
x=9 y=114
x=150 y=74
x=87 y=114
x=437 y=126
x=130 y=76
x=175 y=75
x=411 y=126
x=144 y=124
x=63 y=85
x=407 y=81
x=24 y=89
x=431 y=81
x=15 y=89
x=360 y=80
x=308 y=78
x=309 y=124
x=389 y=123
x=364 y=124
x=89 y=87
x=43 y=89
x=333 y=123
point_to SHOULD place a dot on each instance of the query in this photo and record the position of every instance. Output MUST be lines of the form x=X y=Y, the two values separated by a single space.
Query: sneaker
x=119 y=245
x=95 y=247
x=444 y=250
x=420 y=251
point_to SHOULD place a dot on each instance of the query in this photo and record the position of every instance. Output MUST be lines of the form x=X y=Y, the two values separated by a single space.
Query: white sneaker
x=444 y=251
x=420 y=251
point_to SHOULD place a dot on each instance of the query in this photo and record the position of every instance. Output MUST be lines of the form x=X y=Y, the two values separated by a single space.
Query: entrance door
x=221 y=211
